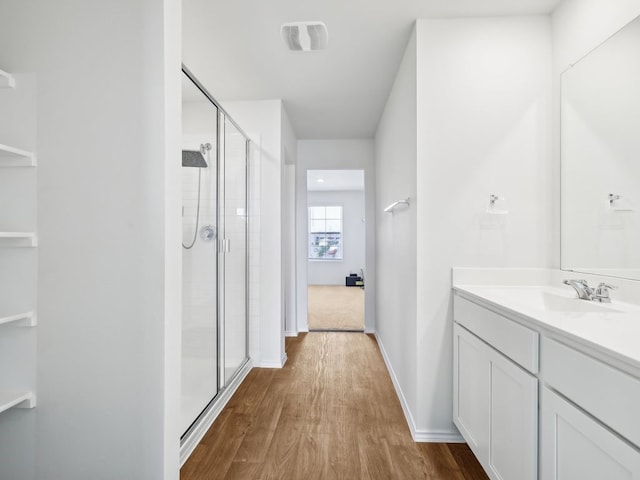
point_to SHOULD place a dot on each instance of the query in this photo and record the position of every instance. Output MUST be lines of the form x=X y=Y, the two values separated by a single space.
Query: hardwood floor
x=330 y=413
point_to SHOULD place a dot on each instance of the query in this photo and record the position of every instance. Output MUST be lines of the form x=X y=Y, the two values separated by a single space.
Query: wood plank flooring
x=330 y=413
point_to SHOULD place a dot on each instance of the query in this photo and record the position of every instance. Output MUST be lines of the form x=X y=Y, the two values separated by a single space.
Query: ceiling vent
x=305 y=36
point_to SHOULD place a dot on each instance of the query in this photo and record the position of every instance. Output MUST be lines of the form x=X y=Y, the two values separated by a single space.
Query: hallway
x=330 y=413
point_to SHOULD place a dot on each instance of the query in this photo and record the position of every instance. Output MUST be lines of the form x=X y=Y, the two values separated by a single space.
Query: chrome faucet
x=602 y=293
x=582 y=288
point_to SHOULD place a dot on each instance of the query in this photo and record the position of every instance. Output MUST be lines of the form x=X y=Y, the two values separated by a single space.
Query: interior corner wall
x=396 y=248
x=262 y=121
x=484 y=127
x=108 y=337
x=289 y=140
x=343 y=154
x=579 y=26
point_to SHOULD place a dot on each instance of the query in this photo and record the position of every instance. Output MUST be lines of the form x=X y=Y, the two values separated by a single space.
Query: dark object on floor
x=353 y=281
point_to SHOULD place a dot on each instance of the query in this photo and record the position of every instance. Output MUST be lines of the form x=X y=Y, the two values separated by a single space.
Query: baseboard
x=370 y=331
x=420 y=436
x=426 y=436
x=280 y=364
x=197 y=432
x=291 y=333
x=394 y=379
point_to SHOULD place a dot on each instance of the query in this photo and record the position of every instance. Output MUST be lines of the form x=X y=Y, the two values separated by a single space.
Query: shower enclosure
x=214 y=253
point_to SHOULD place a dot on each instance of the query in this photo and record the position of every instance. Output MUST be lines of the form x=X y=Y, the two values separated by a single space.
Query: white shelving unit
x=26 y=319
x=6 y=80
x=15 y=157
x=16 y=399
x=18 y=239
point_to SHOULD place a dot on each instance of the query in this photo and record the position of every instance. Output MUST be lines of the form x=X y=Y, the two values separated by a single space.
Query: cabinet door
x=514 y=421
x=574 y=446
x=495 y=408
x=472 y=391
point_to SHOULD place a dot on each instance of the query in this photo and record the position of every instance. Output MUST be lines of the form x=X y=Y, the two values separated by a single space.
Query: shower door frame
x=225 y=243
x=201 y=423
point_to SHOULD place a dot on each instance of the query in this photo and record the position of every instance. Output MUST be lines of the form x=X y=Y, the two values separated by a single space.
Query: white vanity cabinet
x=495 y=398
x=589 y=419
x=509 y=357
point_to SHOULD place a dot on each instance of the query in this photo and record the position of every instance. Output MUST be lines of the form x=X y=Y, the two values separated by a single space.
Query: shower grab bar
x=390 y=208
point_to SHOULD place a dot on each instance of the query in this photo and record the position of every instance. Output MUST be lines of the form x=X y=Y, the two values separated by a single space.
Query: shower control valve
x=208 y=233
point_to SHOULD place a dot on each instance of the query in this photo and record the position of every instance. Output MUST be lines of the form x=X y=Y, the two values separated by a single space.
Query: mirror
x=600 y=159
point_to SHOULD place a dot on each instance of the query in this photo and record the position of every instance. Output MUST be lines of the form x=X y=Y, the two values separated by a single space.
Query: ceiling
x=335 y=180
x=234 y=48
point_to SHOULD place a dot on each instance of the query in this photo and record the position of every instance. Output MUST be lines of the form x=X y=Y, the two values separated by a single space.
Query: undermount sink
x=557 y=303
x=546 y=299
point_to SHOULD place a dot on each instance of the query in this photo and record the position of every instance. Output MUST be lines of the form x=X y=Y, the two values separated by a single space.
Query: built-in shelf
x=7 y=80
x=26 y=319
x=15 y=157
x=16 y=399
x=18 y=239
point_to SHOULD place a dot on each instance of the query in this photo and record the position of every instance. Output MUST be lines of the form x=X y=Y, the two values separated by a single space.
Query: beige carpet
x=335 y=308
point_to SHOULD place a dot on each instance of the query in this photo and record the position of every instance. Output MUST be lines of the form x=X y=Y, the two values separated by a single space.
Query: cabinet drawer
x=516 y=341
x=605 y=392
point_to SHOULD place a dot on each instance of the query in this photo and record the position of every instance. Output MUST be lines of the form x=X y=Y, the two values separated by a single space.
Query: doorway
x=335 y=250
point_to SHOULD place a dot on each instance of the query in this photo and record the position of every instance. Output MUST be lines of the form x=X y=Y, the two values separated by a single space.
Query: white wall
x=262 y=121
x=108 y=141
x=289 y=140
x=483 y=89
x=333 y=272
x=289 y=244
x=290 y=155
x=483 y=127
x=396 y=249
x=355 y=154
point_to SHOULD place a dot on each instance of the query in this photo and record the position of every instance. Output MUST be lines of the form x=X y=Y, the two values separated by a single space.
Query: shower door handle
x=224 y=245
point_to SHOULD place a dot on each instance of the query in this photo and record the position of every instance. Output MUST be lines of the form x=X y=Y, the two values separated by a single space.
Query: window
x=325 y=233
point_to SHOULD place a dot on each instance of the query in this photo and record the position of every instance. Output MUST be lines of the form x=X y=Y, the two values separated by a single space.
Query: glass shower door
x=234 y=273
x=199 y=254
x=214 y=255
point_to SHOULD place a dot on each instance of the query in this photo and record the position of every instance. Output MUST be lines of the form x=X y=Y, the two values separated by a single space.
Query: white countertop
x=613 y=334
